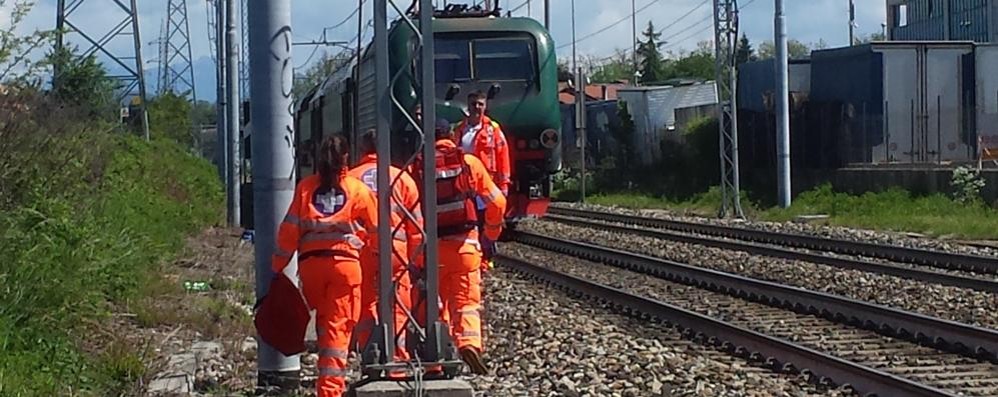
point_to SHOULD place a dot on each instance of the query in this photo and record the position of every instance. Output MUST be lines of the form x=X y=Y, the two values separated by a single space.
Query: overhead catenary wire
x=608 y=27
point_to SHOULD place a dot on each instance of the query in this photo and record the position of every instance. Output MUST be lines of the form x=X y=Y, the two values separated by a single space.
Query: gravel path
x=835 y=232
x=963 y=305
x=542 y=343
x=951 y=372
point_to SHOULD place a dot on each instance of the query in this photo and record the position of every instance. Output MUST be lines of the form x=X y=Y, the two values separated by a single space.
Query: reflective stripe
x=494 y=193
x=468 y=311
x=337 y=237
x=337 y=372
x=333 y=352
x=400 y=235
x=444 y=174
x=450 y=206
x=319 y=225
x=292 y=219
x=471 y=333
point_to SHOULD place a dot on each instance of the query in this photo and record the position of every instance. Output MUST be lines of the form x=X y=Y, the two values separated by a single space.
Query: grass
x=893 y=210
x=74 y=253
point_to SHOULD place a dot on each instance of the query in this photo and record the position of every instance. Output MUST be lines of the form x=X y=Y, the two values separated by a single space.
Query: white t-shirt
x=468 y=138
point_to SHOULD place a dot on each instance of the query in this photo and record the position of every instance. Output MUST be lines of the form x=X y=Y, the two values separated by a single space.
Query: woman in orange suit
x=331 y=218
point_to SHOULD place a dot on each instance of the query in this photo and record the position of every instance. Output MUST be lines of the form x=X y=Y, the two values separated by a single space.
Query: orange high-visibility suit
x=406 y=239
x=329 y=229
x=488 y=145
x=461 y=259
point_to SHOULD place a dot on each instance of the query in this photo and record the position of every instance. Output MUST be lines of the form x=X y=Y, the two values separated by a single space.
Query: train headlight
x=549 y=138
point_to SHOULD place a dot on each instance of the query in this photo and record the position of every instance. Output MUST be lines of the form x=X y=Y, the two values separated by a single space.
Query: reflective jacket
x=344 y=233
x=491 y=148
x=405 y=199
x=481 y=185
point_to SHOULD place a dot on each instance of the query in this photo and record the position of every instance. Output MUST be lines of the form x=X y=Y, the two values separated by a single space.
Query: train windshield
x=489 y=59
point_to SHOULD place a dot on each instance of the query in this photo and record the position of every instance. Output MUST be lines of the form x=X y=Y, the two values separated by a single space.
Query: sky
x=807 y=20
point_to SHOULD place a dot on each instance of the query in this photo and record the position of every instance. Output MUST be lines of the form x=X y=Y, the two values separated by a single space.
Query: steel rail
x=779 y=355
x=946 y=260
x=783 y=253
x=941 y=334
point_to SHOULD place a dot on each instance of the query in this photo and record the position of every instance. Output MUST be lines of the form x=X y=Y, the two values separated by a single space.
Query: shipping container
x=987 y=95
x=653 y=112
x=906 y=102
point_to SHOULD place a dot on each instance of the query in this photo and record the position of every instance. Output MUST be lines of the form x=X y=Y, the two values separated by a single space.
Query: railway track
x=944 y=260
x=782 y=337
x=914 y=273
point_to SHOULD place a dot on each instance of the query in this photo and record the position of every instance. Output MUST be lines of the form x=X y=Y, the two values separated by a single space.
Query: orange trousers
x=461 y=292
x=331 y=286
x=369 y=303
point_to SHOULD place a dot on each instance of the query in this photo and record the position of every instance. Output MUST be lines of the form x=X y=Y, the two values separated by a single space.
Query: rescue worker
x=460 y=179
x=406 y=222
x=331 y=218
x=481 y=136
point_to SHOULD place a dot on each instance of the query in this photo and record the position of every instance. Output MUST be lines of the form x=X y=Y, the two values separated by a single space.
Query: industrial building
x=963 y=20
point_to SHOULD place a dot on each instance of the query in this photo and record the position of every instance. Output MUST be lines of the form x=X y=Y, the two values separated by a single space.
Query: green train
x=512 y=59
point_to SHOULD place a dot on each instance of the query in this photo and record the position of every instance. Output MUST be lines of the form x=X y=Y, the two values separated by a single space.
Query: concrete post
x=232 y=113
x=782 y=108
x=273 y=159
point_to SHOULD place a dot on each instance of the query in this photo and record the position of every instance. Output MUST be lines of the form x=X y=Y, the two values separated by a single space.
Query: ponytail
x=332 y=161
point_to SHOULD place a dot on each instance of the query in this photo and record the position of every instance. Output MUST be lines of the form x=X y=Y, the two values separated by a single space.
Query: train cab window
x=452 y=60
x=503 y=59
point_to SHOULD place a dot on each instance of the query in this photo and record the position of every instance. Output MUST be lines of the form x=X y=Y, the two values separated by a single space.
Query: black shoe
x=471 y=357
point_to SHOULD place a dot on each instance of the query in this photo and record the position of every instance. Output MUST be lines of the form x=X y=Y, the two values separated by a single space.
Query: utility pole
x=574 y=60
x=580 y=127
x=121 y=44
x=726 y=80
x=273 y=162
x=782 y=107
x=232 y=112
x=547 y=15
x=852 y=23
x=221 y=129
x=634 y=42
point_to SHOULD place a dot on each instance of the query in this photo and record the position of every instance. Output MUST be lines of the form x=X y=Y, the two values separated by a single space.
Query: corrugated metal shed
x=971 y=20
x=755 y=79
x=987 y=95
x=653 y=112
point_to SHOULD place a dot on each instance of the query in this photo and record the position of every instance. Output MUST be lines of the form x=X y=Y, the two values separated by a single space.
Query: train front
x=513 y=61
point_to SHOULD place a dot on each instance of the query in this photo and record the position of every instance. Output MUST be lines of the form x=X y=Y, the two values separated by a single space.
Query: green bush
x=72 y=251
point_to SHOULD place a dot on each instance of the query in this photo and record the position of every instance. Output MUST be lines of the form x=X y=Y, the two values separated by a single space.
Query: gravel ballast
x=834 y=232
x=957 y=304
x=542 y=343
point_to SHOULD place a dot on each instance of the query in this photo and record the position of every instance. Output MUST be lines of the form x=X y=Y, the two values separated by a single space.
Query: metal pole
x=782 y=108
x=232 y=112
x=574 y=60
x=547 y=15
x=273 y=159
x=634 y=41
x=580 y=127
x=222 y=139
x=386 y=301
x=435 y=346
x=137 y=41
x=852 y=23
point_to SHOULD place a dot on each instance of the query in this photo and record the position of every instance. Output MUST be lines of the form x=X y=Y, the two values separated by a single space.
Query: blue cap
x=443 y=126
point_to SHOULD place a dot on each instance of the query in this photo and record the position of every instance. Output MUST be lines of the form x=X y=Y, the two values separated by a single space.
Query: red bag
x=283 y=316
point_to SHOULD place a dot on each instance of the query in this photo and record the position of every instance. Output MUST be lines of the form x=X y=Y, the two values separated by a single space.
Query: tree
x=83 y=83
x=170 y=117
x=795 y=48
x=315 y=74
x=745 y=52
x=16 y=63
x=876 y=36
x=652 y=64
x=623 y=134
x=698 y=65
x=617 y=67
